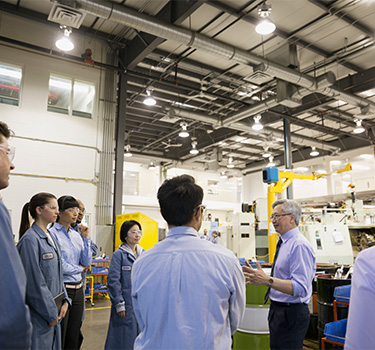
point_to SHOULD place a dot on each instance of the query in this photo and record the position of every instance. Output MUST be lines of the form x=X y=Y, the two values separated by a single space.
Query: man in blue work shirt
x=15 y=325
x=187 y=292
x=290 y=283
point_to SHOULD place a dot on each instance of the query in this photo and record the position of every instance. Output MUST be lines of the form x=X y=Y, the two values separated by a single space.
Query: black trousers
x=71 y=323
x=288 y=324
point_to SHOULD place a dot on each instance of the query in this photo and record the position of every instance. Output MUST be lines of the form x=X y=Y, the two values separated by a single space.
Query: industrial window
x=10 y=84
x=131 y=183
x=72 y=97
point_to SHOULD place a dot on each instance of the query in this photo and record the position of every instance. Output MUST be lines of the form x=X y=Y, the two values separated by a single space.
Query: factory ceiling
x=311 y=80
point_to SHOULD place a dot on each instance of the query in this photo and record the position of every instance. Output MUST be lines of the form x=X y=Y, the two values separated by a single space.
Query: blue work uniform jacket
x=15 y=325
x=42 y=264
x=121 y=331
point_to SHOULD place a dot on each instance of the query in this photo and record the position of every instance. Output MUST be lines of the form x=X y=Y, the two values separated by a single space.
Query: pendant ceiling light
x=127 y=151
x=271 y=162
x=359 y=128
x=257 y=124
x=314 y=152
x=194 y=148
x=64 y=43
x=230 y=163
x=183 y=132
x=149 y=100
x=265 y=26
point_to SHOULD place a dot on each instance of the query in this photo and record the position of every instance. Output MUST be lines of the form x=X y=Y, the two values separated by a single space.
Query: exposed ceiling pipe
x=140 y=21
x=242 y=126
x=120 y=14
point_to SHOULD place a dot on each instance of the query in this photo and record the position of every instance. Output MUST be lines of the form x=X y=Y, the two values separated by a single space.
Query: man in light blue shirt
x=360 y=333
x=187 y=292
x=290 y=284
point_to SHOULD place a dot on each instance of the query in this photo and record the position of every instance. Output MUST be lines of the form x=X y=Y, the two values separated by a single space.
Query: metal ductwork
x=124 y=15
x=241 y=126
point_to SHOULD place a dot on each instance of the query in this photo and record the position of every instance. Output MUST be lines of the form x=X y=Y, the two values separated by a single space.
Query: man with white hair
x=290 y=283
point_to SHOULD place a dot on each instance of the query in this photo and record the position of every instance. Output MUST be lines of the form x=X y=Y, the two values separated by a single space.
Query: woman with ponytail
x=41 y=256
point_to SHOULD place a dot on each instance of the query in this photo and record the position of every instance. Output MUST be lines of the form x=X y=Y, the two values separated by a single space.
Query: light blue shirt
x=360 y=332
x=74 y=252
x=295 y=262
x=187 y=293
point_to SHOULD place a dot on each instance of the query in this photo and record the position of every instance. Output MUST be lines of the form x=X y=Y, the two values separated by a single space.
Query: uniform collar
x=38 y=230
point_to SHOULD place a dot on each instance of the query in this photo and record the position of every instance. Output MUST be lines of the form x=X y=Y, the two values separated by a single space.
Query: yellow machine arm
x=285 y=179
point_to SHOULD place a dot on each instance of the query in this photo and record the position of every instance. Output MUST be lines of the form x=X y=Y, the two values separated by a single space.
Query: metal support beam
x=119 y=150
x=288 y=154
x=174 y=12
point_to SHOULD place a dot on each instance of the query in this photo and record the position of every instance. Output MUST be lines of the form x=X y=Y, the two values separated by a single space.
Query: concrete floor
x=95 y=325
x=96 y=322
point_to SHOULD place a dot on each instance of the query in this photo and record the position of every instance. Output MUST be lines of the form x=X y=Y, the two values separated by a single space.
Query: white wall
x=50 y=144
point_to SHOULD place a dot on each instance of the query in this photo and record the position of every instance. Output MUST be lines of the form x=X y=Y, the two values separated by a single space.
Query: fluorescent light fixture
x=314 y=152
x=194 y=148
x=149 y=100
x=265 y=26
x=64 y=43
x=359 y=128
x=127 y=151
x=183 y=132
x=257 y=124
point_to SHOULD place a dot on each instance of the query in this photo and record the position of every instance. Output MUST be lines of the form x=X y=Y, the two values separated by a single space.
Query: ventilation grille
x=258 y=78
x=67 y=16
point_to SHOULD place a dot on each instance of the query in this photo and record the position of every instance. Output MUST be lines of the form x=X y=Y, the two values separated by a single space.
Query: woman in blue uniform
x=123 y=327
x=41 y=257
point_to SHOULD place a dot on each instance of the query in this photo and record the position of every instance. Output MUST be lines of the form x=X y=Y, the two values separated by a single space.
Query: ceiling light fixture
x=194 y=148
x=149 y=100
x=64 y=43
x=314 y=152
x=152 y=166
x=257 y=124
x=271 y=162
x=222 y=175
x=230 y=163
x=127 y=151
x=266 y=153
x=359 y=128
x=265 y=26
x=183 y=132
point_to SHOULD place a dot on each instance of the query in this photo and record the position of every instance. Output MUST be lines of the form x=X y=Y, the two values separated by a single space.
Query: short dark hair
x=66 y=202
x=4 y=131
x=178 y=198
x=126 y=226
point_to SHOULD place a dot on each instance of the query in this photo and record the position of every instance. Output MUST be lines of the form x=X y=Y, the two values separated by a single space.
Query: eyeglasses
x=278 y=216
x=73 y=210
x=10 y=151
x=52 y=207
x=201 y=206
x=135 y=232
